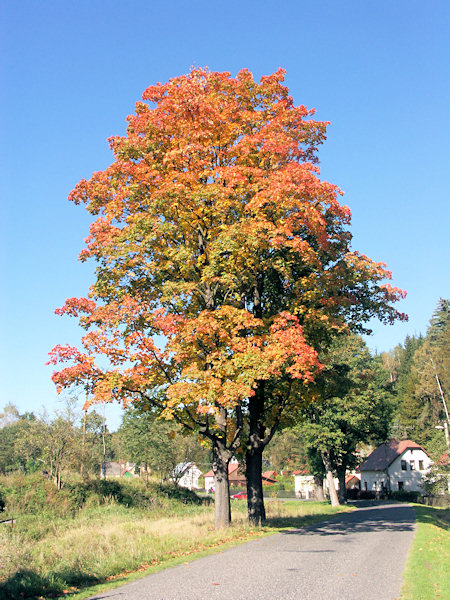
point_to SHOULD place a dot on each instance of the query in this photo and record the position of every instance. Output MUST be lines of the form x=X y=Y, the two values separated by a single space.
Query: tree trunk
x=318 y=482
x=330 y=480
x=222 y=507
x=342 y=488
x=332 y=489
x=255 y=498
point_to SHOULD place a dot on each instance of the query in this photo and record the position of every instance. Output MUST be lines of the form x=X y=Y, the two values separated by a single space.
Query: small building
x=353 y=481
x=186 y=475
x=236 y=477
x=395 y=466
x=304 y=484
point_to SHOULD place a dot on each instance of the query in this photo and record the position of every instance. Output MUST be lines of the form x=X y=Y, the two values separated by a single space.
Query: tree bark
x=221 y=458
x=332 y=489
x=330 y=480
x=342 y=488
x=222 y=507
x=318 y=482
x=255 y=498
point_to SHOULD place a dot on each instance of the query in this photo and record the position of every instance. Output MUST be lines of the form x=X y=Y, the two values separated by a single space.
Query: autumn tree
x=224 y=264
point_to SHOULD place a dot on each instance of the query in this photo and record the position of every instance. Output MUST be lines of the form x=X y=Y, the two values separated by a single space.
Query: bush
x=34 y=494
x=353 y=494
x=366 y=495
x=405 y=496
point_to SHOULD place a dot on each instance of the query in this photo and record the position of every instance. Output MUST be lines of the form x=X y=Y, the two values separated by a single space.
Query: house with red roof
x=395 y=466
x=236 y=477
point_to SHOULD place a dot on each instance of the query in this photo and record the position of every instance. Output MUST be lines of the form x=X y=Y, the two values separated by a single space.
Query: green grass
x=427 y=573
x=53 y=552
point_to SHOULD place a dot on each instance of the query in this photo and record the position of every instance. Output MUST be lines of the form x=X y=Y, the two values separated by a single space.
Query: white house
x=395 y=466
x=303 y=484
x=187 y=475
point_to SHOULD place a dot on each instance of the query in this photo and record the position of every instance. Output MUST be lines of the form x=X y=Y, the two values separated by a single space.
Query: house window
x=420 y=465
x=400 y=485
x=365 y=485
x=412 y=465
x=404 y=465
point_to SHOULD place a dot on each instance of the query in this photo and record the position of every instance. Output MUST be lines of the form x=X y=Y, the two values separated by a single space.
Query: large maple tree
x=224 y=265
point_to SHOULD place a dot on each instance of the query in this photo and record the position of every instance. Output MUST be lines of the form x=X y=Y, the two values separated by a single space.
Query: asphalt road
x=358 y=556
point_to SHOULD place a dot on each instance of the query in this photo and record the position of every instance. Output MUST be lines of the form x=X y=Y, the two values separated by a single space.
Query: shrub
x=366 y=495
x=405 y=496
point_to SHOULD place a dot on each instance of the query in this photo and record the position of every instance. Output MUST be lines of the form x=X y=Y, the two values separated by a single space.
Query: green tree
x=353 y=404
x=423 y=381
x=156 y=444
x=12 y=430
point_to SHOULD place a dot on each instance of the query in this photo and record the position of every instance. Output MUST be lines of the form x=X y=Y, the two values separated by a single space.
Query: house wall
x=209 y=483
x=303 y=484
x=374 y=481
x=189 y=479
x=411 y=478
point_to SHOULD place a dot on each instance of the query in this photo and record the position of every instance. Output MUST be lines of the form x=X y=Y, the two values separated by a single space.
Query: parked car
x=239 y=496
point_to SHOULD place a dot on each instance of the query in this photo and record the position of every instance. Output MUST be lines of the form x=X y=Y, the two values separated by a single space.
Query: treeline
x=419 y=370
x=73 y=441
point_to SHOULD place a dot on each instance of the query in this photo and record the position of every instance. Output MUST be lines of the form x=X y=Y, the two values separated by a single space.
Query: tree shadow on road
x=378 y=517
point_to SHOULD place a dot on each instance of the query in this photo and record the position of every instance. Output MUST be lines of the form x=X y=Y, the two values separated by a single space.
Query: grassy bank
x=428 y=567
x=103 y=534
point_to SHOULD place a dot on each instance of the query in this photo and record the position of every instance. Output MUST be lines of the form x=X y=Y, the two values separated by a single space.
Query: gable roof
x=232 y=470
x=304 y=471
x=385 y=454
x=182 y=468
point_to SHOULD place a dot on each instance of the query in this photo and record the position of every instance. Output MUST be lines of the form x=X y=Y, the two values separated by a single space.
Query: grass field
x=427 y=574
x=61 y=548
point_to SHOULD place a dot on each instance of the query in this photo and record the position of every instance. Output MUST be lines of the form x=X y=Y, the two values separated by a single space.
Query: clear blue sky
x=72 y=71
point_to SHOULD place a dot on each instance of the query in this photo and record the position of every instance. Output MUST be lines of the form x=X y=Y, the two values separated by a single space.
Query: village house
x=186 y=475
x=395 y=466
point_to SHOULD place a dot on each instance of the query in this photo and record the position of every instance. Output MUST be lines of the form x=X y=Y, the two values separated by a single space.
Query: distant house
x=353 y=481
x=395 y=466
x=269 y=477
x=117 y=469
x=304 y=484
x=186 y=475
x=236 y=477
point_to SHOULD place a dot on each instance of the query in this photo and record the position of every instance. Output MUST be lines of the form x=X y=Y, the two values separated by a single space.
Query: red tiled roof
x=270 y=474
x=385 y=455
x=232 y=470
x=350 y=477
x=301 y=472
